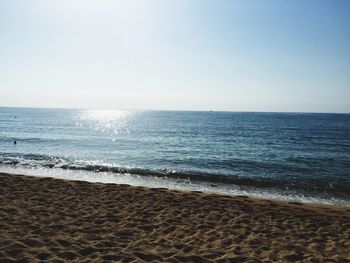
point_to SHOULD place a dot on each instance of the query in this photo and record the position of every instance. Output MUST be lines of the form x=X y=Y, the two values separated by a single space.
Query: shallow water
x=291 y=153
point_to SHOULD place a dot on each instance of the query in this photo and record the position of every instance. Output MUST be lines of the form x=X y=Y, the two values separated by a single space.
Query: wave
x=305 y=185
x=26 y=140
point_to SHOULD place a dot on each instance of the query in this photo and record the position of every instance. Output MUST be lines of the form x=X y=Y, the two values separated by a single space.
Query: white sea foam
x=170 y=183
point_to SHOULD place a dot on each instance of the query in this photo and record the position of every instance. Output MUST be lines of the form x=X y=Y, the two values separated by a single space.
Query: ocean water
x=284 y=155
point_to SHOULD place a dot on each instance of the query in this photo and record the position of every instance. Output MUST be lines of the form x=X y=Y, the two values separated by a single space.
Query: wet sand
x=52 y=220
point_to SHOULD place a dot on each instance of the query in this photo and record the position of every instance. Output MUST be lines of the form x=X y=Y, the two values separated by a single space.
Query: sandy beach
x=52 y=220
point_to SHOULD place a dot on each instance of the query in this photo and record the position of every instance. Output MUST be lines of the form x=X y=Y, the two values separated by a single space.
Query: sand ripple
x=44 y=219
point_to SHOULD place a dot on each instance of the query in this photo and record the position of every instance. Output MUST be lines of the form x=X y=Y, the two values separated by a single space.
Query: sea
x=301 y=157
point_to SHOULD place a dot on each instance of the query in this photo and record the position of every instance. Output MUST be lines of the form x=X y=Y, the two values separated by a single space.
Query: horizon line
x=176 y=110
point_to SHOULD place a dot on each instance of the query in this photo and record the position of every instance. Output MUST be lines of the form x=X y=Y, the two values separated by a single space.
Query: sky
x=230 y=55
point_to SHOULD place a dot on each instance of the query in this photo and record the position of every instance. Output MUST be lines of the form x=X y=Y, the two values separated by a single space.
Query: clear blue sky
x=247 y=55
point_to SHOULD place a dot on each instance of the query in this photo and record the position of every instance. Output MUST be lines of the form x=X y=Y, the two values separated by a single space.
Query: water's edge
x=174 y=183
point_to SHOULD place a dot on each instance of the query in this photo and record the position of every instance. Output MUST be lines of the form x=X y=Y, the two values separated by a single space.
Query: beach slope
x=50 y=219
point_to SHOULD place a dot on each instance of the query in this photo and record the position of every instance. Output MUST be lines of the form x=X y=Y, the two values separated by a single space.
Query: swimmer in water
x=14 y=142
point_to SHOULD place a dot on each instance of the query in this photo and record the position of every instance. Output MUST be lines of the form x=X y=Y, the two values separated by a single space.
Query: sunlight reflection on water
x=112 y=122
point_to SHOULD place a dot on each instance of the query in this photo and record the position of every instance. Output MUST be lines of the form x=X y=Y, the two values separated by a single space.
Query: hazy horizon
x=195 y=55
x=169 y=110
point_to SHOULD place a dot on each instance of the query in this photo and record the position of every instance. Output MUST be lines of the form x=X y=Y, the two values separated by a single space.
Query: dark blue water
x=307 y=153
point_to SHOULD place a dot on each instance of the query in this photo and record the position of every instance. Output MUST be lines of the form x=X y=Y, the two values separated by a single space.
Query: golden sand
x=52 y=220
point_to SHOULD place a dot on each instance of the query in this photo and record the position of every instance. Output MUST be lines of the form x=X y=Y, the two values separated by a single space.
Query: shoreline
x=173 y=183
x=44 y=218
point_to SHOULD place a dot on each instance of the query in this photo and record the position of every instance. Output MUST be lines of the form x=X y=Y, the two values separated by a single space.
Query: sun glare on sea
x=112 y=122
